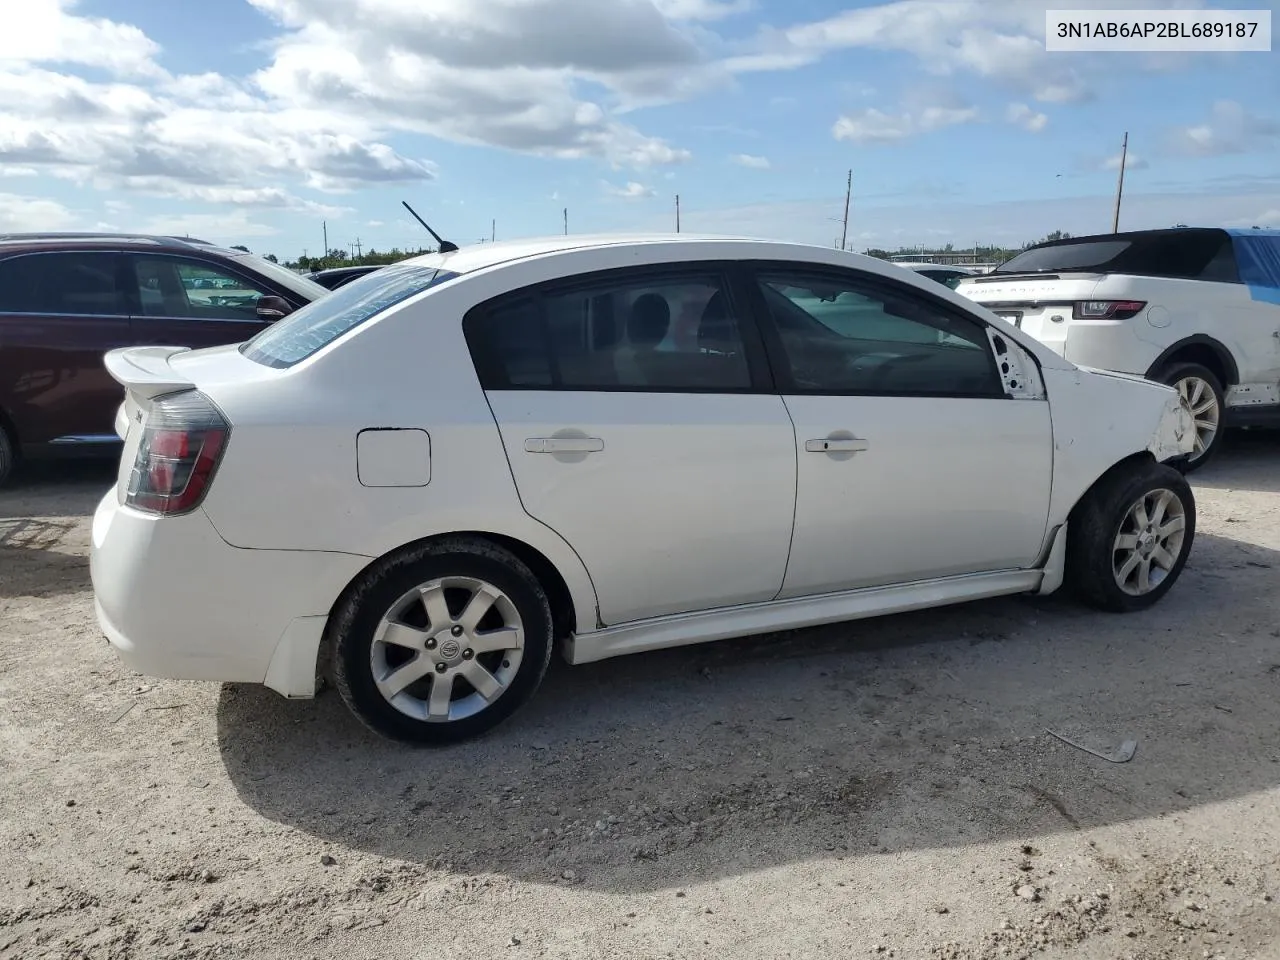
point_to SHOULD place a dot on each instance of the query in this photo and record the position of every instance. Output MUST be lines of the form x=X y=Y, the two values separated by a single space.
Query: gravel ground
x=885 y=788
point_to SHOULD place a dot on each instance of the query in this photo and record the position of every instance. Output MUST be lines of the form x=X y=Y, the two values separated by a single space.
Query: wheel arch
x=563 y=612
x=1204 y=350
x=1132 y=460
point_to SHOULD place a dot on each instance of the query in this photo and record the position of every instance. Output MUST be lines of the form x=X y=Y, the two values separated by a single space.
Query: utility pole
x=566 y=221
x=1124 y=155
x=677 y=213
x=359 y=248
x=848 y=193
x=493 y=230
x=325 y=224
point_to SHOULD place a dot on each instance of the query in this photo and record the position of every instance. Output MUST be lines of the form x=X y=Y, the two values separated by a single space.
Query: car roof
x=86 y=240
x=482 y=255
x=931 y=266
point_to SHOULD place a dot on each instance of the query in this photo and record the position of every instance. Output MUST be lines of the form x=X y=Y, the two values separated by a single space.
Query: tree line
x=982 y=253
x=343 y=258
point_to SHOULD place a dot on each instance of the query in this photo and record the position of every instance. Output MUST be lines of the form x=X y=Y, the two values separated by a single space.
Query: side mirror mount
x=271 y=309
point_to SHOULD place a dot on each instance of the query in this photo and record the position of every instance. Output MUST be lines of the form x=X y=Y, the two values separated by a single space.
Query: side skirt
x=756 y=618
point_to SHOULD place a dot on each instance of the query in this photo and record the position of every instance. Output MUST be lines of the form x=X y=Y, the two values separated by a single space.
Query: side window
x=847 y=336
x=77 y=284
x=173 y=287
x=667 y=334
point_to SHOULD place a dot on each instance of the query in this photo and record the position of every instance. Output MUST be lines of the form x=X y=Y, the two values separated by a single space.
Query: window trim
x=122 y=272
x=753 y=273
x=725 y=272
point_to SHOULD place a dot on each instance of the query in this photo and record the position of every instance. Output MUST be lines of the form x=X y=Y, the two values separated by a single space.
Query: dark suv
x=66 y=299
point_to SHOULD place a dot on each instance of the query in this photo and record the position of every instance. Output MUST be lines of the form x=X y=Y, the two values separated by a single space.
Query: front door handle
x=836 y=445
x=563 y=445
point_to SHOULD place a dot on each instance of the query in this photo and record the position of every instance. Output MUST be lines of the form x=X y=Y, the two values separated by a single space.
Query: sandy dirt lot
x=884 y=788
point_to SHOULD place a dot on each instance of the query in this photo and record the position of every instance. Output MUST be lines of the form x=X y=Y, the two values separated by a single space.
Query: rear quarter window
x=313 y=327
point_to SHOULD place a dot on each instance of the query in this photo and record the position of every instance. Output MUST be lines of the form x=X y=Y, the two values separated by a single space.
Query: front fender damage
x=1175 y=436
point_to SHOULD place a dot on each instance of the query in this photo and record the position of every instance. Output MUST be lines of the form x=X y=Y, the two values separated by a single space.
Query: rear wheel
x=8 y=455
x=1129 y=538
x=1202 y=392
x=443 y=643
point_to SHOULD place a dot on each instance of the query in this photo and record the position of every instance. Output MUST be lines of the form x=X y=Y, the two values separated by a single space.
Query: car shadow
x=915 y=731
x=43 y=530
x=1250 y=460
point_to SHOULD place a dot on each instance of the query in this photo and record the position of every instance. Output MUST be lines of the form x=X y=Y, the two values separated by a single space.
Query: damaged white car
x=420 y=484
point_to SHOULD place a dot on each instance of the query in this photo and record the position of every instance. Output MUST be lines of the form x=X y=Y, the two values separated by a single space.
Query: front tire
x=1202 y=392
x=442 y=643
x=1129 y=538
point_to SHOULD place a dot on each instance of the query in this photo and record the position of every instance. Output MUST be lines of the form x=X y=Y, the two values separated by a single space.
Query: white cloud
x=1023 y=116
x=701 y=9
x=1266 y=219
x=999 y=40
x=1131 y=162
x=504 y=73
x=632 y=191
x=48 y=31
x=875 y=126
x=230 y=227
x=1231 y=128
x=750 y=161
x=18 y=214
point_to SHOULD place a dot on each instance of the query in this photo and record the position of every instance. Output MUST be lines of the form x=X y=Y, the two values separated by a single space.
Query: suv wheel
x=443 y=643
x=1202 y=392
x=1130 y=536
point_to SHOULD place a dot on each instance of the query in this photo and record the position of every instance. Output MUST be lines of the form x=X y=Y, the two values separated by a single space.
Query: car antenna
x=445 y=245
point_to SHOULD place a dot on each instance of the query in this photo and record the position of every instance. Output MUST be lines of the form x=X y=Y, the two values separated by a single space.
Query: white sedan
x=419 y=484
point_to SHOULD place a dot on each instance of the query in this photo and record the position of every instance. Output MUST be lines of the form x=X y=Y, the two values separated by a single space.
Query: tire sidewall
x=353 y=673
x=1180 y=371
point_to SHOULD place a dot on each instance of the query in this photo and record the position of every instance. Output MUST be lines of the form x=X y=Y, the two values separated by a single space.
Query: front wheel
x=442 y=643
x=1130 y=536
x=1202 y=393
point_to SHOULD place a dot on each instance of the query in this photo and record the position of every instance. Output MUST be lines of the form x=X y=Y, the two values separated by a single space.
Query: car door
x=913 y=462
x=60 y=311
x=186 y=302
x=638 y=420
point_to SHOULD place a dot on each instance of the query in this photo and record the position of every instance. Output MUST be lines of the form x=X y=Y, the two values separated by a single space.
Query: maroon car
x=66 y=299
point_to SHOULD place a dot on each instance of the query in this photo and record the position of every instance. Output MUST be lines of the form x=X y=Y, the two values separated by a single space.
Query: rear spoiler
x=145 y=371
x=1001 y=277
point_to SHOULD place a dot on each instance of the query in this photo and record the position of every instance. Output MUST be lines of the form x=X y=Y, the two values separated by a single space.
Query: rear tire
x=8 y=455
x=1129 y=538
x=442 y=643
x=1202 y=391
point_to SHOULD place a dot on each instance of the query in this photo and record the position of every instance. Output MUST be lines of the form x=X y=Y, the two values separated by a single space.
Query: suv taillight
x=1107 y=309
x=180 y=448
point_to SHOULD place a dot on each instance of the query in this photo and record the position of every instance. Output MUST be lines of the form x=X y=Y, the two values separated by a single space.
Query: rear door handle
x=854 y=445
x=563 y=445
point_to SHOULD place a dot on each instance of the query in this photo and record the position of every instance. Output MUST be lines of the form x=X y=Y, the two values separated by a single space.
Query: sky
x=268 y=122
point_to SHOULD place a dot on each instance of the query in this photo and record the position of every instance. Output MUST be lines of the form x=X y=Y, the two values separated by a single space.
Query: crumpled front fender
x=1176 y=434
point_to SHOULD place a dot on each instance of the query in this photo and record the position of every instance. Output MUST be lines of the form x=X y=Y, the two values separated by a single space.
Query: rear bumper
x=175 y=600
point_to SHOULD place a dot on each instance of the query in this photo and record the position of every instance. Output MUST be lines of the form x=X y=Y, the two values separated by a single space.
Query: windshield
x=304 y=287
x=322 y=321
x=1092 y=255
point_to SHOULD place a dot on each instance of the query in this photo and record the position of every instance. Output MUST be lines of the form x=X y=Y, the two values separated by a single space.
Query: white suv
x=420 y=483
x=1196 y=308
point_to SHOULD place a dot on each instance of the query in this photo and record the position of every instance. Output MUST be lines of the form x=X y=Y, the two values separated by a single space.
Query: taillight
x=179 y=451
x=1107 y=309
